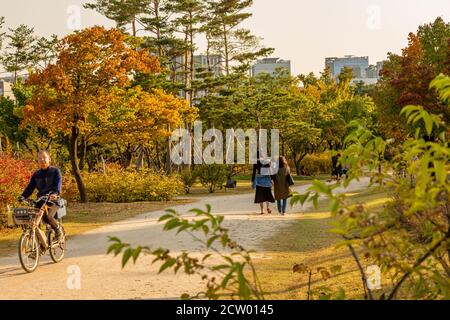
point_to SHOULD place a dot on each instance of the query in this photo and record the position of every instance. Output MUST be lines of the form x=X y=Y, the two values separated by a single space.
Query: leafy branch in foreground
x=409 y=238
x=223 y=273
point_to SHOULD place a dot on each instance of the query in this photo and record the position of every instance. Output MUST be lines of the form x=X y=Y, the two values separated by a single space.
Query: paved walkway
x=102 y=276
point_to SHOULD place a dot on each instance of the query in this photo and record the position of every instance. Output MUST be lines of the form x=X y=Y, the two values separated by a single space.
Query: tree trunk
x=298 y=161
x=298 y=168
x=225 y=41
x=75 y=169
x=186 y=64
x=103 y=164
x=156 y=6
x=83 y=148
x=127 y=157
x=140 y=159
x=168 y=159
x=7 y=145
x=133 y=24
x=191 y=63
x=15 y=69
x=447 y=211
x=208 y=52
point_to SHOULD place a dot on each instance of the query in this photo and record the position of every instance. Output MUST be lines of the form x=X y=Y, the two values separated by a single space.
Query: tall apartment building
x=270 y=66
x=6 y=90
x=362 y=70
x=201 y=65
x=358 y=64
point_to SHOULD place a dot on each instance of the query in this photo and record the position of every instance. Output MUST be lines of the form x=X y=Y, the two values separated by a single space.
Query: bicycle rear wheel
x=58 y=249
x=28 y=252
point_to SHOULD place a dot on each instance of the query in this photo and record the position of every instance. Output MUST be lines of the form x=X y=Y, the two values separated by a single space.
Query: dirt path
x=101 y=276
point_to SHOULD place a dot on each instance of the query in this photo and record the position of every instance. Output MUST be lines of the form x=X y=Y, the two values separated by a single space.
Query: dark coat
x=281 y=187
x=45 y=181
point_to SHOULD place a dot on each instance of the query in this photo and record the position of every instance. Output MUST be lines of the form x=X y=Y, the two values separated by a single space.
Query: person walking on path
x=282 y=185
x=336 y=167
x=262 y=183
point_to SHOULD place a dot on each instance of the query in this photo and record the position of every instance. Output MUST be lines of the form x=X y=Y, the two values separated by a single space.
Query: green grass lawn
x=84 y=217
x=309 y=241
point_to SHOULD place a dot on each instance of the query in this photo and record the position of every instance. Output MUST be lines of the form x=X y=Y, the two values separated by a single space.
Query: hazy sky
x=303 y=31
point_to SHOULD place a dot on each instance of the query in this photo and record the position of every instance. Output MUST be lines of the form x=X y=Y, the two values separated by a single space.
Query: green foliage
x=122 y=12
x=20 y=52
x=310 y=119
x=442 y=85
x=434 y=39
x=416 y=113
x=120 y=185
x=225 y=275
x=409 y=240
x=227 y=38
x=189 y=177
x=11 y=114
x=212 y=176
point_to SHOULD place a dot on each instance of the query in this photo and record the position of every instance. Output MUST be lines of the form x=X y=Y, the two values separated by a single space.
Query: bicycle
x=34 y=242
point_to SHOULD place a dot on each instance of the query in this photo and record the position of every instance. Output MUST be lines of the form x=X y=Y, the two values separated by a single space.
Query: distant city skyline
x=304 y=32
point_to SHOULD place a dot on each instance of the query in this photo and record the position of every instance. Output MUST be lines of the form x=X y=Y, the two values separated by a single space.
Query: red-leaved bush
x=14 y=176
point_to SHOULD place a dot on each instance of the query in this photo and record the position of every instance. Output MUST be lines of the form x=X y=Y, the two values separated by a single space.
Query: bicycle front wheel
x=28 y=252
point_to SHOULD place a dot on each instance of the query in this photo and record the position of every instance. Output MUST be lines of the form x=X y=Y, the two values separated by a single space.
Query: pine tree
x=123 y=12
x=46 y=50
x=235 y=45
x=20 y=52
x=189 y=16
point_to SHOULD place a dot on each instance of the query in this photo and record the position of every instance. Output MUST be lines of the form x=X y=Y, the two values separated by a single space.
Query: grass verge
x=308 y=241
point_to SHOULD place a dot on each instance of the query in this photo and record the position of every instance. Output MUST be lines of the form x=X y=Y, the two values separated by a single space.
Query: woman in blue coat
x=262 y=183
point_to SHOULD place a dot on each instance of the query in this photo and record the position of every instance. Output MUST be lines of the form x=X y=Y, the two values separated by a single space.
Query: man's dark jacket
x=45 y=181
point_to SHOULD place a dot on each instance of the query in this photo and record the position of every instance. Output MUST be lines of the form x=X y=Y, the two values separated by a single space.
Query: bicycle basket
x=24 y=216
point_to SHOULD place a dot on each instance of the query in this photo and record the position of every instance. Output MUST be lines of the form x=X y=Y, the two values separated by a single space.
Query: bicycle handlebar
x=45 y=198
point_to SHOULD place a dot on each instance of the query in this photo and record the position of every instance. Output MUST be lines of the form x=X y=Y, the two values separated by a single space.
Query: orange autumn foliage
x=90 y=63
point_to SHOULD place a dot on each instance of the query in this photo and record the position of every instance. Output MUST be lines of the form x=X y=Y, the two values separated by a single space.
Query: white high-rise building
x=6 y=90
x=362 y=70
x=270 y=66
x=201 y=65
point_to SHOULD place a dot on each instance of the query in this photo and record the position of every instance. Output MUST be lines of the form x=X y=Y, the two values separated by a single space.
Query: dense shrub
x=188 y=177
x=118 y=185
x=316 y=164
x=14 y=176
x=212 y=176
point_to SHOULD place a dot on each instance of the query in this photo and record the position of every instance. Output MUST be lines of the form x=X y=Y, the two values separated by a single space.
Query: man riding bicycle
x=47 y=180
